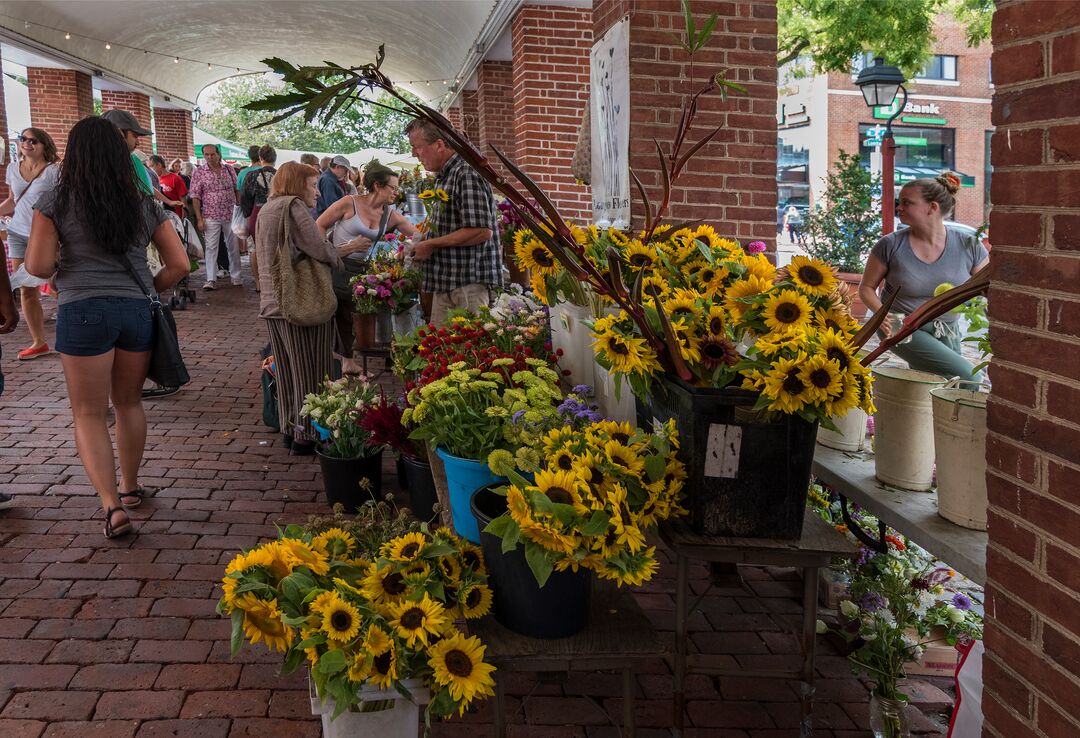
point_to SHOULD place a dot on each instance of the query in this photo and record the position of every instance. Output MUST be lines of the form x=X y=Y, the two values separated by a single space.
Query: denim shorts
x=16 y=246
x=97 y=325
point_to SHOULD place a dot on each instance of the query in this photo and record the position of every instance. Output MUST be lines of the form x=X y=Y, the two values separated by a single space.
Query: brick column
x=495 y=108
x=455 y=116
x=59 y=98
x=470 y=115
x=551 y=89
x=731 y=183
x=3 y=136
x=1032 y=669
x=173 y=133
x=135 y=103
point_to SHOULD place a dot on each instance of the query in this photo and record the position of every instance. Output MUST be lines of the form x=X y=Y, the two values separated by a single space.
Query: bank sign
x=913 y=113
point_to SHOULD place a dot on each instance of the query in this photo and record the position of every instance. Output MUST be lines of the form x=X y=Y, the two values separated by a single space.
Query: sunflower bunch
x=593 y=497
x=359 y=617
x=339 y=408
x=548 y=279
x=434 y=199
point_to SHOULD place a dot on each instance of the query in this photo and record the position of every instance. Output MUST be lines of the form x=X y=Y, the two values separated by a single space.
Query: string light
x=67 y=36
x=176 y=60
x=107 y=46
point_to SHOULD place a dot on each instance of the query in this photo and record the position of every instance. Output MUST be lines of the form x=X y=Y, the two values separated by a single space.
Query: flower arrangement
x=596 y=492
x=391 y=283
x=413 y=181
x=366 y=608
x=338 y=410
x=434 y=199
x=471 y=412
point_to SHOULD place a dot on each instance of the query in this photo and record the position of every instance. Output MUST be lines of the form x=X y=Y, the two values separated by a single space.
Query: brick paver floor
x=116 y=639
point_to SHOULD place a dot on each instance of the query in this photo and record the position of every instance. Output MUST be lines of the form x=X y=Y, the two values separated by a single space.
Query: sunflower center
x=811 y=276
x=559 y=495
x=716 y=325
x=820 y=378
x=641 y=260
x=619 y=348
x=542 y=257
x=341 y=621
x=472 y=599
x=565 y=462
x=382 y=662
x=793 y=385
x=707 y=275
x=470 y=559
x=788 y=312
x=838 y=356
x=412 y=618
x=714 y=351
x=410 y=549
x=621 y=438
x=458 y=663
x=394 y=584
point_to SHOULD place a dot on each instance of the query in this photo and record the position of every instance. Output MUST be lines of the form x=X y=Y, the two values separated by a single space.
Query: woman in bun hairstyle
x=914 y=261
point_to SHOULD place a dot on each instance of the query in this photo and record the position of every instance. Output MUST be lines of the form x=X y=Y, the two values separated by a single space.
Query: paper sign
x=722 y=453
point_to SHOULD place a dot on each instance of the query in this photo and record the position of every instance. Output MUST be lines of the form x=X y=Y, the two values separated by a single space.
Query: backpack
x=256 y=190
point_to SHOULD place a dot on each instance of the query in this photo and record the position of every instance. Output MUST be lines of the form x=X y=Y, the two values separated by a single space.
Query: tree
x=833 y=32
x=361 y=126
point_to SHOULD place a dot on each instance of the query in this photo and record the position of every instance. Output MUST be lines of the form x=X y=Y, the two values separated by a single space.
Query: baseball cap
x=341 y=161
x=125 y=121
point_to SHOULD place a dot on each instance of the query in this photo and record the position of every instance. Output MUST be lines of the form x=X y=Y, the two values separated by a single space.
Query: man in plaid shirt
x=460 y=255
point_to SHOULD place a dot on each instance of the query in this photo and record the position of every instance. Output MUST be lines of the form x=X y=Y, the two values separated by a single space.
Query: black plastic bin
x=342 y=477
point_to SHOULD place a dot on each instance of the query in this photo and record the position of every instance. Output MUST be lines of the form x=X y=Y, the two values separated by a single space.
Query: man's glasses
x=28 y=140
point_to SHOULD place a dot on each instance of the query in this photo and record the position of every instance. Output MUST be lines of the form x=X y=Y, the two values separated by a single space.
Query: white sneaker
x=209 y=286
x=238 y=283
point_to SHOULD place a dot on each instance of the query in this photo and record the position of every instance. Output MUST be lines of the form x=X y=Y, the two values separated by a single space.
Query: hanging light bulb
x=209 y=66
x=429 y=83
x=67 y=36
x=107 y=46
x=176 y=60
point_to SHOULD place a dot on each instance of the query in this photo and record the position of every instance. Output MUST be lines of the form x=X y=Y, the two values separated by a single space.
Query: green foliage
x=354 y=128
x=835 y=31
x=843 y=232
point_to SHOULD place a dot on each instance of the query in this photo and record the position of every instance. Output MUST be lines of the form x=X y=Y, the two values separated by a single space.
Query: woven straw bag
x=304 y=289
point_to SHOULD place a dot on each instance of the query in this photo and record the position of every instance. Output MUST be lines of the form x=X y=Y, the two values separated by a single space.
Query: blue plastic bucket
x=463 y=477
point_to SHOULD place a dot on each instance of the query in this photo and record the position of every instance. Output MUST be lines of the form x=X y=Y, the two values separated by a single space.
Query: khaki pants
x=471 y=297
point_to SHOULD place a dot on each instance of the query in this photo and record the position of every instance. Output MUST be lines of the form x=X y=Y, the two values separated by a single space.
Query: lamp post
x=879 y=84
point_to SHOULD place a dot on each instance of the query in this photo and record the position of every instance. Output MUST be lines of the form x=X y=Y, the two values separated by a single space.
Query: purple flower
x=518 y=415
x=756 y=247
x=870 y=424
x=865 y=555
x=961 y=601
x=581 y=389
x=871 y=602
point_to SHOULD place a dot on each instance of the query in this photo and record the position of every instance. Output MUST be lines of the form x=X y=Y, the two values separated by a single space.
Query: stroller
x=182 y=292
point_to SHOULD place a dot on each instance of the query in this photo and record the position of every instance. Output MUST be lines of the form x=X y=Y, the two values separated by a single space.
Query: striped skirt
x=303 y=358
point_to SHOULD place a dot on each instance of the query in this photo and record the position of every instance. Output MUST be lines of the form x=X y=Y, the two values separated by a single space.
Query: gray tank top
x=916 y=279
x=349 y=228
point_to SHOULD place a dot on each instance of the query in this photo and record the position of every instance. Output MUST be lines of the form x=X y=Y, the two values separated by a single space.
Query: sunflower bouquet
x=338 y=410
x=434 y=199
x=596 y=493
x=364 y=616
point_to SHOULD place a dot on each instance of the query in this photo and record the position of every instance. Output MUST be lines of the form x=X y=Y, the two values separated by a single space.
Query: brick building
x=945 y=125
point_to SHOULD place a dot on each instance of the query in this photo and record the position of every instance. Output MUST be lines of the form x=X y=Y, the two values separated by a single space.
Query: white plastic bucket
x=850 y=434
x=622 y=409
x=569 y=333
x=400 y=719
x=904 y=427
x=960 y=440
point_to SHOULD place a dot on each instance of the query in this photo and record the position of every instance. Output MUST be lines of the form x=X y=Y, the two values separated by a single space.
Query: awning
x=230 y=152
x=906 y=174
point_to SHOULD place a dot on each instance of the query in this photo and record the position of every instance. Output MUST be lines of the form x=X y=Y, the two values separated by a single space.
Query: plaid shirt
x=471 y=205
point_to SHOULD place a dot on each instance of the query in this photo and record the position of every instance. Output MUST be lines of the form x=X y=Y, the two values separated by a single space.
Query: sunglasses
x=28 y=140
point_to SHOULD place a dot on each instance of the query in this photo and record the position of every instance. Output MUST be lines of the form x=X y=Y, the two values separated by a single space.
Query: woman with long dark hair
x=91 y=231
x=29 y=177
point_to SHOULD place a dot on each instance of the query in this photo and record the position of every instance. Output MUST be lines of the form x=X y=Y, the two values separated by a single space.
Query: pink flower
x=756 y=247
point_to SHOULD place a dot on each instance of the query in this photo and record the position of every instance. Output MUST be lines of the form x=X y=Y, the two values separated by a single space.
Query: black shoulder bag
x=166 y=364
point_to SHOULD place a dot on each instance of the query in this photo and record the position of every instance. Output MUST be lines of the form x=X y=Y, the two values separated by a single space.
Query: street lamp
x=879 y=84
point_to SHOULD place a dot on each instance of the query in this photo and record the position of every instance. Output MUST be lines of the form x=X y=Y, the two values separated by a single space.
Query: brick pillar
x=551 y=89
x=1032 y=669
x=455 y=116
x=495 y=109
x=135 y=103
x=470 y=116
x=59 y=98
x=731 y=183
x=3 y=136
x=173 y=133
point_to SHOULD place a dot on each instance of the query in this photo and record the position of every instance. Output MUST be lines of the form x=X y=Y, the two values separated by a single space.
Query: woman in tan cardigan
x=303 y=356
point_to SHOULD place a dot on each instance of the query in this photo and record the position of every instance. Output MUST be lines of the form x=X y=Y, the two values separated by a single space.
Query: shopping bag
x=239 y=222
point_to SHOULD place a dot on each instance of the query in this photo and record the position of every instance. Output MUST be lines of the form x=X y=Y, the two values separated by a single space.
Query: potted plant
x=847 y=227
x=371 y=606
x=384 y=422
x=351 y=461
x=597 y=491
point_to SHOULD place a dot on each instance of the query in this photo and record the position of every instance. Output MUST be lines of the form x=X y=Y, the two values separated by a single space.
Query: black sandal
x=136 y=493
x=123 y=529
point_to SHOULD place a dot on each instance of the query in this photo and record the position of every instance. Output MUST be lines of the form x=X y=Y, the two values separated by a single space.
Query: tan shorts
x=471 y=297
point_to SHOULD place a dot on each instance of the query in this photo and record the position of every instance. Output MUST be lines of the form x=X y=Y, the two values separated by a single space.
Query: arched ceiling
x=425 y=39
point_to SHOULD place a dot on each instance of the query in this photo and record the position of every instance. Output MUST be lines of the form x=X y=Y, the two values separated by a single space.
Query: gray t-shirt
x=916 y=279
x=27 y=194
x=86 y=269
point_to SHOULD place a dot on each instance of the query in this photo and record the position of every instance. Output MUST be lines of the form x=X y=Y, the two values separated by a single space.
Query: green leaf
x=706 y=32
x=655 y=466
x=330 y=662
x=539 y=562
x=597 y=524
x=511 y=537
x=237 y=640
x=499 y=525
x=691 y=29
x=293 y=659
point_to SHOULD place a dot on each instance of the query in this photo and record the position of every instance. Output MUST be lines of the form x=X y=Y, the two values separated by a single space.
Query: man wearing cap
x=330 y=188
x=132 y=132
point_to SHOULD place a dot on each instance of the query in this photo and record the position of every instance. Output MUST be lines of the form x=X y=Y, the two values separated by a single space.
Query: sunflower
x=710 y=279
x=835 y=319
x=262 y=622
x=414 y=621
x=772 y=344
x=788 y=310
x=538 y=285
x=689 y=342
x=442 y=195
x=384 y=670
x=718 y=351
x=301 y=554
x=864 y=380
x=812 y=276
x=562 y=487
x=376 y=640
x=547 y=536
x=744 y=288
x=611 y=430
x=340 y=620
x=406 y=547
x=845 y=397
x=637 y=568
x=716 y=320
x=759 y=266
x=458 y=664
x=627 y=355
x=475 y=600
x=383 y=585
x=783 y=386
x=532 y=254
x=427 y=195
x=640 y=256
x=624 y=458
x=562 y=458
x=318 y=605
x=518 y=507
x=334 y=542
x=682 y=306
x=472 y=557
x=836 y=346
x=821 y=375
x=654 y=285
x=360 y=668
x=450 y=568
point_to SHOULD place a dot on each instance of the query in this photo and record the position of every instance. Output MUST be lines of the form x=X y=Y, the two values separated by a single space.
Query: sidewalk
x=117 y=639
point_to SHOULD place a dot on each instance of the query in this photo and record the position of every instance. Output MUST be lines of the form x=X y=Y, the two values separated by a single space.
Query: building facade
x=945 y=125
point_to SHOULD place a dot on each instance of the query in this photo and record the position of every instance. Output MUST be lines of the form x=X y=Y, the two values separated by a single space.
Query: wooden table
x=618 y=636
x=817 y=547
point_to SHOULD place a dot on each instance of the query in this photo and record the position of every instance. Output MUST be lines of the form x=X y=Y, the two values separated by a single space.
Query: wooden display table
x=618 y=636
x=819 y=545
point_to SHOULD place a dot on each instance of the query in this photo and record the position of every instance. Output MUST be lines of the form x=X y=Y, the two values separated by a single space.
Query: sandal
x=123 y=529
x=137 y=494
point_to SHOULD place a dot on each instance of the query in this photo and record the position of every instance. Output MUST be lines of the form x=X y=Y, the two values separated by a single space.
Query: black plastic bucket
x=421 y=488
x=746 y=479
x=559 y=609
x=341 y=480
x=399 y=468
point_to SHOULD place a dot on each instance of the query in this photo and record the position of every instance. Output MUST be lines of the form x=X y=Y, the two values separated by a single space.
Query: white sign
x=722 y=453
x=610 y=101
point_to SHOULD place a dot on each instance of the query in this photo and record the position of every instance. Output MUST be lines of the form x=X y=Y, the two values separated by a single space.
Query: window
x=940 y=66
x=917 y=147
